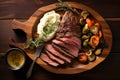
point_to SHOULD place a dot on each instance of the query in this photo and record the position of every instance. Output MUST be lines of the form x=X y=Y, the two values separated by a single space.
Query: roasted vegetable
x=83 y=57
x=86 y=42
x=84 y=14
x=85 y=37
x=82 y=21
x=94 y=29
x=90 y=22
x=92 y=57
x=98 y=51
x=92 y=37
x=94 y=41
x=85 y=29
x=89 y=52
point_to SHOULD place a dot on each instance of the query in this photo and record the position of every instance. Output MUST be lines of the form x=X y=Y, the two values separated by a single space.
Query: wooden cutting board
x=30 y=25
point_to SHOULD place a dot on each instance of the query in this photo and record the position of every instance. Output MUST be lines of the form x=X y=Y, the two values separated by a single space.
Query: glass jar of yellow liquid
x=15 y=58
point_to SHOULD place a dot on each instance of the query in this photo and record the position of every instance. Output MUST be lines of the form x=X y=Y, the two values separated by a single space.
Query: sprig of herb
x=62 y=6
x=34 y=43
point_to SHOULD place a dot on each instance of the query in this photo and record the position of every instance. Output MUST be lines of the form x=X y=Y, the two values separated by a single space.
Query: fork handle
x=30 y=69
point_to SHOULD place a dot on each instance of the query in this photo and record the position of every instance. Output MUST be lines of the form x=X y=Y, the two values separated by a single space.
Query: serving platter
x=30 y=25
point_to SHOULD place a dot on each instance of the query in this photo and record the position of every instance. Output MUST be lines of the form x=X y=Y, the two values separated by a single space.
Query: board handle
x=26 y=27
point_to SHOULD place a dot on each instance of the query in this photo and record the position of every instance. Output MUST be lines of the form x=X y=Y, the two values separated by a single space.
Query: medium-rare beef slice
x=49 y=61
x=56 y=53
x=72 y=41
x=69 y=25
x=72 y=49
x=62 y=50
x=60 y=61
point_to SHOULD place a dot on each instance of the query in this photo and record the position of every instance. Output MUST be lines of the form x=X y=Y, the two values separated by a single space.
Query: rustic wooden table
x=23 y=9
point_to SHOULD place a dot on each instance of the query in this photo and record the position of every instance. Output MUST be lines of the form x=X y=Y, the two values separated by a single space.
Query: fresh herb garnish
x=62 y=6
x=34 y=43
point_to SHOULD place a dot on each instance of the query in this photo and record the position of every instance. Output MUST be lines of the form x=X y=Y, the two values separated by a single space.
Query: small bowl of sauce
x=15 y=58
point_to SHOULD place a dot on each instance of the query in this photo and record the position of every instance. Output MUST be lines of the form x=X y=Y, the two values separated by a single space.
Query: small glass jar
x=15 y=58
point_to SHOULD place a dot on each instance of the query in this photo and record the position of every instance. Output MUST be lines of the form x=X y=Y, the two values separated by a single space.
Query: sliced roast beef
x=56 y=53
x=59 y=51
x=72 y=49
x=60 y=61
x=73 y=41
x=49 y=61
x=62 y=50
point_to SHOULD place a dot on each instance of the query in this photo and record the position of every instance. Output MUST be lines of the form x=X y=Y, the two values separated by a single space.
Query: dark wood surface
x=23 y=9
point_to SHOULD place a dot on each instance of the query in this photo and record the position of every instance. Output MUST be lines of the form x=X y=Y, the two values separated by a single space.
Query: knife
x=36 y=55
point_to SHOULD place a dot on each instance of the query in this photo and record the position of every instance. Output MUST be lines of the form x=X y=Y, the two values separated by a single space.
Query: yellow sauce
x=15 y=59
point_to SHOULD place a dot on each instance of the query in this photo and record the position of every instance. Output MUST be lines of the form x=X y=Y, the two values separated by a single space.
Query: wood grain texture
x=29 y=25
x=23 y=9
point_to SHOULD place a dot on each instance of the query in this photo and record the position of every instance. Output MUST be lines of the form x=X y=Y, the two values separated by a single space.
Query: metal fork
x=37 y=54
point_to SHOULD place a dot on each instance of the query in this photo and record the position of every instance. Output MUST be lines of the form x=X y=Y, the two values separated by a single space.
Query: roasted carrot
x=94 y=41
x=83 y=57
x=90 y=22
